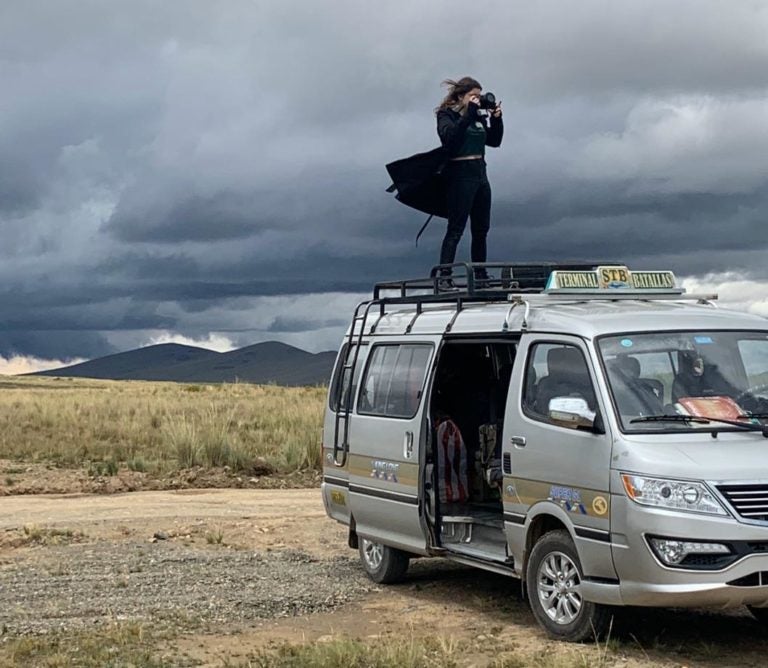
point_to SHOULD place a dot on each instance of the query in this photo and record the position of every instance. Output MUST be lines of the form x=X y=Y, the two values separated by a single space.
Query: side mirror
x=571 y=412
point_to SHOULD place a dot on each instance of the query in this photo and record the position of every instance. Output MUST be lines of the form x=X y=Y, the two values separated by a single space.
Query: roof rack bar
x=526 y=315
x=535 y=298
x=470 y=278
x=459 y=305
x=419 y=309
x=505 y=326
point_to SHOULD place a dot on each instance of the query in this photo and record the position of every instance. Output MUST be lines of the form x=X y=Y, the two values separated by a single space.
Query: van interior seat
x=567 y=375
x=631 y=367
x=635 y=395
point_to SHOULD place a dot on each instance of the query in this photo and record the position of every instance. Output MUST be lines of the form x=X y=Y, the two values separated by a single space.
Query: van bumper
x=336 y=500
x=701 y=595
x=692 y=595
x=645 y=581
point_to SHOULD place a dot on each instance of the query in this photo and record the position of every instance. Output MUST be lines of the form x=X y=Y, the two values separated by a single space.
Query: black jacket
x=418 y=179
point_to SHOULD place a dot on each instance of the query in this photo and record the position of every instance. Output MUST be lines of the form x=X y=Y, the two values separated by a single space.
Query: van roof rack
x=477 y=281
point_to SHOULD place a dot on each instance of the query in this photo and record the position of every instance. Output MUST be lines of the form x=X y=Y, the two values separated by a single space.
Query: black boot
x=445 y=283
x=481 y=277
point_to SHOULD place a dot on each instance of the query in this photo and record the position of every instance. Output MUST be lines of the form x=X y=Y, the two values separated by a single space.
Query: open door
x=467 y=410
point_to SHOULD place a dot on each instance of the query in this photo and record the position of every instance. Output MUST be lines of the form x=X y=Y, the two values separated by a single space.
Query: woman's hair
x=457 y=90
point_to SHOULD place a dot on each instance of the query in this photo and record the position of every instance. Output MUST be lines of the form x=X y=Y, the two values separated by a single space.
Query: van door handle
x=517 y=441
x=408 y=445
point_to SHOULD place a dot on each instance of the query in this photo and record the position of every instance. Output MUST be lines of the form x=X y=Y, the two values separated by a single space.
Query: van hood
x=732 y=456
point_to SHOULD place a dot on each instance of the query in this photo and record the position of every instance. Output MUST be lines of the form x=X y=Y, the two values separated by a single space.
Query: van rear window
x=394 y=380
x=341 y=388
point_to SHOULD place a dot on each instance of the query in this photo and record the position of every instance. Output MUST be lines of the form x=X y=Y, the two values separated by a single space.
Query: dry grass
x=131 y=644
x=159 y=427
x=124 y=644
x=344 y=652
x=36 y=535
x=436 y=651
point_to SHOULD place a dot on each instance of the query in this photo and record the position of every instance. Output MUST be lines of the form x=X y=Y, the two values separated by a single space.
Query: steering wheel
x=754 y=390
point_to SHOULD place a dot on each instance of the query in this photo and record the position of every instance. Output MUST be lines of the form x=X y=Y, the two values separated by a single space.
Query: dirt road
x=265 y=507
x=232 y=571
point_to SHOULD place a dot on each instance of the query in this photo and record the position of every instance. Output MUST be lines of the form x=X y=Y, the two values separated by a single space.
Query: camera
x=488 y=101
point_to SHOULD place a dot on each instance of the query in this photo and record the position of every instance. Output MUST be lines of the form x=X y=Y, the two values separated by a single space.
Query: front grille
x=749 y=501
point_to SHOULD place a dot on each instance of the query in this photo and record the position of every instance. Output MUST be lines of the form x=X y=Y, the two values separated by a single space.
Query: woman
x=464 y=134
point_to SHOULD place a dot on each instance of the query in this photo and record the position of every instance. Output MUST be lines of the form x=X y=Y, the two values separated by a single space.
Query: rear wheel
x=553 y=581
x=383 y=564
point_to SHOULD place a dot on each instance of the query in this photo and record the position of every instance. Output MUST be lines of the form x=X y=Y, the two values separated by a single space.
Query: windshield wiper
x=703 y=419
x=669 y=418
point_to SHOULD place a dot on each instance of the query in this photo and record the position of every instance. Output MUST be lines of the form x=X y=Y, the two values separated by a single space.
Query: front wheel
x=382 y=563
x=553 y=581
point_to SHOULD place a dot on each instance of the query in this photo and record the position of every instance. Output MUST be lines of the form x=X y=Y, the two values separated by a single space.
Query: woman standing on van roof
x=464 y=134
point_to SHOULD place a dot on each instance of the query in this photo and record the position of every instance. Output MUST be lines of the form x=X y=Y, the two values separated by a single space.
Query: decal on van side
x=403 y=473
x=576 y=500
x=383 y=470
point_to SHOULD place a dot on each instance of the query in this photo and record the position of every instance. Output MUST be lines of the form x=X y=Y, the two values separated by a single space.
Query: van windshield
x=717 y=374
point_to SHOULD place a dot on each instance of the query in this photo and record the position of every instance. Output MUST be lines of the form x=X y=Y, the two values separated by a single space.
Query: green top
x=474 y=140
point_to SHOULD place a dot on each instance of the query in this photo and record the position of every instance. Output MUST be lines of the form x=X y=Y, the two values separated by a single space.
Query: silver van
x=594 y=431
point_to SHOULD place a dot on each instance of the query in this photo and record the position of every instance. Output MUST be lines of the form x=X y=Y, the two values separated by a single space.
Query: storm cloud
x=206 y=169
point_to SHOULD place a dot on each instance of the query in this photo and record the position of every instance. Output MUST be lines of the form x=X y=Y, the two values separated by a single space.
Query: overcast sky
x=213 y=171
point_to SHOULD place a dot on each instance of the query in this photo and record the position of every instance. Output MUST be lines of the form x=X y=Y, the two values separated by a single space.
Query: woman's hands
x=472 y=97
x=471 y=102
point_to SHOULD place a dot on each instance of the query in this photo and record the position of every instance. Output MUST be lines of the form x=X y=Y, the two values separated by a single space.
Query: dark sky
x=213 y=171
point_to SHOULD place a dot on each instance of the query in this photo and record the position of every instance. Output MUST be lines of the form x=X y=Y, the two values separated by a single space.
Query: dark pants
x=469 y=196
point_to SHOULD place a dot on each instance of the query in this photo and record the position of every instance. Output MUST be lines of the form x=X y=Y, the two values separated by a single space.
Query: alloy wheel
x=559 y=588
x=373 y=553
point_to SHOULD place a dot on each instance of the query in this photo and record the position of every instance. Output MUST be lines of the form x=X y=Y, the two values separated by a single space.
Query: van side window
x=555 y=370
x=394 y=380
x=348 y=390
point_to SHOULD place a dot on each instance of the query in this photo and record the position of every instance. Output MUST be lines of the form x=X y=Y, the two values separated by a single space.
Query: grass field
x=130 y=644
x=159 y=427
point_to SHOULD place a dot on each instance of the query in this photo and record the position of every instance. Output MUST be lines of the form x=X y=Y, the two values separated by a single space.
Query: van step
x=488 y=519
x=488 y=551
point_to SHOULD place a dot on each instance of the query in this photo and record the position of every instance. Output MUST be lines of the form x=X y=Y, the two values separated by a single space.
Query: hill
x=268 y=362
x=131 y=364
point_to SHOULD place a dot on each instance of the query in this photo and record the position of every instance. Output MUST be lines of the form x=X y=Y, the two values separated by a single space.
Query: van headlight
x=683 y=495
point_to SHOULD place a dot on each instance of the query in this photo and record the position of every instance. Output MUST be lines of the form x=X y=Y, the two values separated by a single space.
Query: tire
x=383 y=564
x=554 y=573
x=760 y=614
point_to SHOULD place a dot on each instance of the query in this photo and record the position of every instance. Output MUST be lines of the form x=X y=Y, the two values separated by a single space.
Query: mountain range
x=268 y=362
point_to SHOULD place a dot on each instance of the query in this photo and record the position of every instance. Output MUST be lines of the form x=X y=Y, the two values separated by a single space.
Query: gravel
x=170 y=585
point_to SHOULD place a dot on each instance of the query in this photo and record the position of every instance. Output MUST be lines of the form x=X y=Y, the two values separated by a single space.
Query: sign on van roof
x=612 y=278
